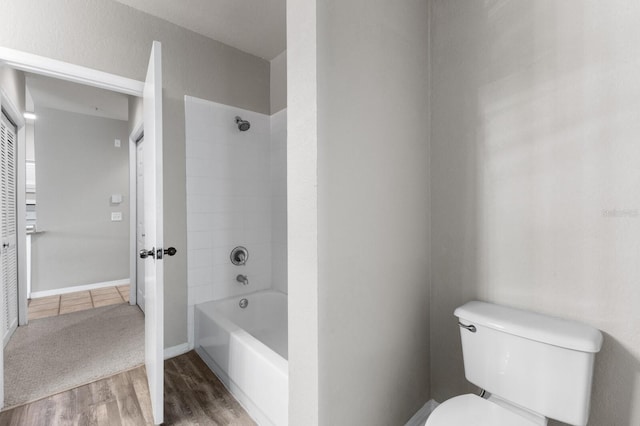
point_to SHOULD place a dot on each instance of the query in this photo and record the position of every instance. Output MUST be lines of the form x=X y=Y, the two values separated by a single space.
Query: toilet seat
x=472 y=410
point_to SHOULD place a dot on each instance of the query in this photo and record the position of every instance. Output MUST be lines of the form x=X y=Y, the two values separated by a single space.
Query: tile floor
x=51 y=306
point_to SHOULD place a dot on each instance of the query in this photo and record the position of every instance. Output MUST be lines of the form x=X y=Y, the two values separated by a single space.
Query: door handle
x=147 y=253
x=169 y=252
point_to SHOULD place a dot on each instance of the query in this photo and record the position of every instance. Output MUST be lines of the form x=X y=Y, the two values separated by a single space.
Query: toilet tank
x=541 y=363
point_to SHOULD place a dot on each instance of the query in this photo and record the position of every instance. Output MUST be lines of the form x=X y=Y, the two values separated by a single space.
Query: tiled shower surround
x=236 y=196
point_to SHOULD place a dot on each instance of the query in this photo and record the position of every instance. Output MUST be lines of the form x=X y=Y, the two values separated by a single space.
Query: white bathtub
x=247 y=349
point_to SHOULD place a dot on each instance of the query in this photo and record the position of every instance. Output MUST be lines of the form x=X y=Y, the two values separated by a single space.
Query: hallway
x=54 y=354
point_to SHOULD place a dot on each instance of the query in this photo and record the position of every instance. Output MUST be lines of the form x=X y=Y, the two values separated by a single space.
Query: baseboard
x=420 y=417
x=174 y=351
x=65 y=290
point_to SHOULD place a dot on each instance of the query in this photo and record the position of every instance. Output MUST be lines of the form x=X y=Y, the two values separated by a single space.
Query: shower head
x=243 y=125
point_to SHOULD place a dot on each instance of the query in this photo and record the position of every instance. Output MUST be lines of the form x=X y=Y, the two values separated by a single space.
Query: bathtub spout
x=242 y=279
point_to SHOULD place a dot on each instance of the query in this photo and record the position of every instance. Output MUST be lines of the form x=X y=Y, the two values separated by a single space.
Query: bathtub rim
x=253 y=343
x=242 y=296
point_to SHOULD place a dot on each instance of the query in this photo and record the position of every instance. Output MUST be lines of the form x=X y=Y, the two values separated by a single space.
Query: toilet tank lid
x=530 y=325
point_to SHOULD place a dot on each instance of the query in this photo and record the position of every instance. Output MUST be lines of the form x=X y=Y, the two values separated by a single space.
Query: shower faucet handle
x=239 y=256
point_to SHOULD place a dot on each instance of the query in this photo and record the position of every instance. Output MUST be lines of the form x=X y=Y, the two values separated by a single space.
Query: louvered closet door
x=8 y=257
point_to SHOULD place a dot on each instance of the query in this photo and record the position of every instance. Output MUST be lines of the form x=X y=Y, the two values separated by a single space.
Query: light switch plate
x=116 y=216
x=117 y=143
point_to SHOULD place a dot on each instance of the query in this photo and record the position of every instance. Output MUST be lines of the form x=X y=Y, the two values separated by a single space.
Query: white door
x=153 y=223
x=8 y=250
x=140 y=242
x=2 y=314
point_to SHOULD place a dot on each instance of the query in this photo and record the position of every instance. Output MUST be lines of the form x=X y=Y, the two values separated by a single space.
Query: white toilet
x=532 y=367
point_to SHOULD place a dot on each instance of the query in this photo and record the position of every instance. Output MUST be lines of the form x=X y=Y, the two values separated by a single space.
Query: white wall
x=372 y=166
x=112 y=37
x=535 y=177
x=279 y=201
x=77 y=171
x=302 y=212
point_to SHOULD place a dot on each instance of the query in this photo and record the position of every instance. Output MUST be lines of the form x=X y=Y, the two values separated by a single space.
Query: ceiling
x=73 y=97
x=257 y=27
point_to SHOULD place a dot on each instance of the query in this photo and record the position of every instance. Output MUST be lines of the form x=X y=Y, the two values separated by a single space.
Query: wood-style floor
x=193 y=395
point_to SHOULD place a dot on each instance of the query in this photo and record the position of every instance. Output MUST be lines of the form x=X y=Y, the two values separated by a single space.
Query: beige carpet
x=54 y=354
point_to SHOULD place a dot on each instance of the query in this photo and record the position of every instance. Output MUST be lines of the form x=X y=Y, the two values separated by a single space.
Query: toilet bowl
x=470 y=409
x=533 y=367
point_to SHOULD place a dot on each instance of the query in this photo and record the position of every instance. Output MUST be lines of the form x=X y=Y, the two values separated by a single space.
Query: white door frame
x=15 y=115
x=70 y=72
x=133 y=212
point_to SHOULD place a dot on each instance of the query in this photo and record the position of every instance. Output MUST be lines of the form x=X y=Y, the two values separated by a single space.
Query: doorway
x=80 y=255
x=151 y=92
x=79 y=228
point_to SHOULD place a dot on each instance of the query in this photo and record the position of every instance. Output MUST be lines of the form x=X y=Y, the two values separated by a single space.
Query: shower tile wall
x=228 y=200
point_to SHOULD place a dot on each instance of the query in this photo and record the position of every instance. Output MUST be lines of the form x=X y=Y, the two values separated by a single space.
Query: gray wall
x=12 y=81
x=372 y=209
x=278 y=164
x=111 y=37
x=278 y=79
x=78 y=169
x=535 y=177
x=136 y=114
